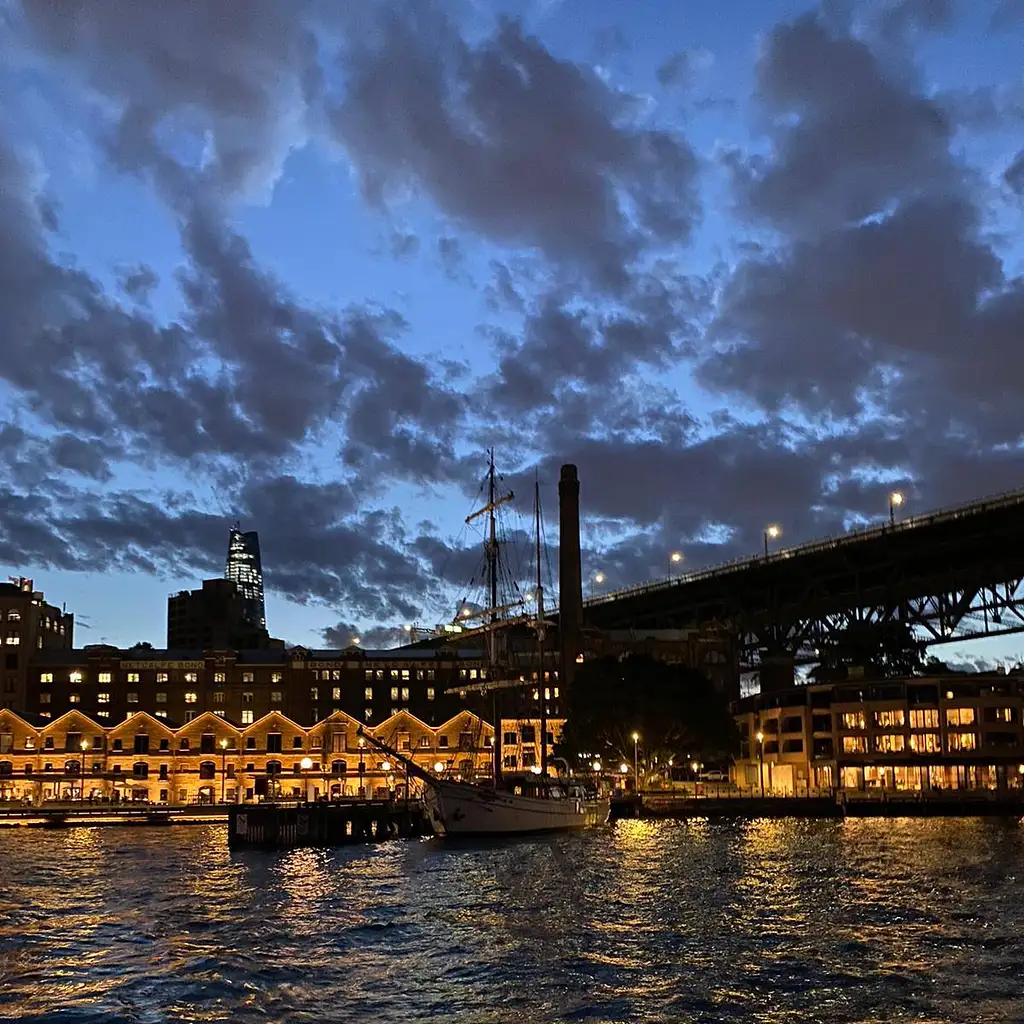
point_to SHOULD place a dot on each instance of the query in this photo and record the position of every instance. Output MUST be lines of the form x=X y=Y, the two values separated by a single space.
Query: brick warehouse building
x=108 y=684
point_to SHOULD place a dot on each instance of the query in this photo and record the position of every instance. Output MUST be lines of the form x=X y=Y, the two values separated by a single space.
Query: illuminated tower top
x=245 y=570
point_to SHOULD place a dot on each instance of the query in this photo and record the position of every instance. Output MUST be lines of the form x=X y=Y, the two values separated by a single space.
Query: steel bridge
x=952 y=575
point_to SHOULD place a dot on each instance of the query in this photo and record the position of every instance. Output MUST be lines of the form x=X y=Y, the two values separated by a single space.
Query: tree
x=676 y=711
x=882 y=650
x=142 y=645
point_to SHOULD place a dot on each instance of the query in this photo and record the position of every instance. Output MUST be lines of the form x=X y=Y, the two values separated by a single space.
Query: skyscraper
x=244 y=568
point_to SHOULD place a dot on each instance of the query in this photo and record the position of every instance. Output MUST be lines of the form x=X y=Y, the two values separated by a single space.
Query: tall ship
x=546 y=797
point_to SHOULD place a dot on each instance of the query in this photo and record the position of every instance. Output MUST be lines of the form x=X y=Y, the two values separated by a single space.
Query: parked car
x=714 y=776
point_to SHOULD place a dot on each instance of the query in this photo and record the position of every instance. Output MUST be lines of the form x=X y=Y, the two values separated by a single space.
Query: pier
x=281 y=826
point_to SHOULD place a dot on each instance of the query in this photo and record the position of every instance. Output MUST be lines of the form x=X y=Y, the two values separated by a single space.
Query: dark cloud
x=849 y=138
x=923 y=15
x=138 y=282
x=680 y=69
x=1008 y=15
x=1014 y=174
x=525 y=148
x=382 y=638
x=239 y=86
x=404 y=245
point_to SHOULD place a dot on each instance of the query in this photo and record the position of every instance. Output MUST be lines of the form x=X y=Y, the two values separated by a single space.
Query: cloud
x=680 y=69
x=512 y=142
x=1014 y=174
x=240 y=88
x=849 y=138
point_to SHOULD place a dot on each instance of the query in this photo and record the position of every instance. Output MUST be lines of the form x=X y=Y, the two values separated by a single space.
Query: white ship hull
x=461 y=809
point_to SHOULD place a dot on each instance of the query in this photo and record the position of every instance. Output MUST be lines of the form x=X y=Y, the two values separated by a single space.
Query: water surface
x=642 y=921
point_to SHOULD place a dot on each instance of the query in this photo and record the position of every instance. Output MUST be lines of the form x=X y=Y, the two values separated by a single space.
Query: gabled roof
x=335 y=716
x=214 y=718
x=8 y=713
x=272 y=714
x=463 y=716
x=138 y=718
x=73 y=713
x=395 y=720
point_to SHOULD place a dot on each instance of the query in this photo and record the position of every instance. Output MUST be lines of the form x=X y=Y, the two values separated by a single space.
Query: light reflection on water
x=645 y=921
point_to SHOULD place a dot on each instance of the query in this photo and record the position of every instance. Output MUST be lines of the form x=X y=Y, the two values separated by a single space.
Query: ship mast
x=540 y=642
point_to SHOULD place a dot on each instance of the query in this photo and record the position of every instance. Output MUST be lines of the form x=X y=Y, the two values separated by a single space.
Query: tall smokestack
x=570 y=575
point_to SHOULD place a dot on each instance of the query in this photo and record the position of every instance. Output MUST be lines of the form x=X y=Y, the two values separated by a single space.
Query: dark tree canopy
x=879 y=651
x=675 y=709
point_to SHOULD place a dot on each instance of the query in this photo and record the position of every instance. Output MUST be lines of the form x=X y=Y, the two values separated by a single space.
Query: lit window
x=162 y=677
x=247 y=677
x=75 y=676
x=405 y=693
x=368 y=673
x=191 y=696
x=368 y=693
x=960 y=716
x=39 y=642
x=104 y=677
x=394 y=711
x=276 y=696
x=430 y=673
x=102 y=698
x=45 y=698
x=889 y=718
x=472 y=673
x=133 y=677
x=394 y=693
x=14 y=640
x=46 y=677
x=924 y=718
x=220 y=677
x=547 y=693
x=314 y=693
x=335 y=693
x=161 y=698
x=336 y=674
x=419 y=673
x=103 y=714
x=218 y=696
x=368 y=713
x=74 y=698
x=855 y=745
x=247 y=717
x=161 y=714
x=853 y=720
x=248 y=697
x=888 y=743
x=15 y=616
x=276 y=677
x=379 y=673
x=219 y=711
x=430 y=693
x=191 y=677
x=961 y=741
x=405 y=674
x=462 y=673
x=925 y=742
x=394 y=673
x=132 y=698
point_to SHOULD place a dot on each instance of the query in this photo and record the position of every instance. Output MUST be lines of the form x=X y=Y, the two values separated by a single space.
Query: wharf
x=280 y=826
x=939 y=805
x=78 y=815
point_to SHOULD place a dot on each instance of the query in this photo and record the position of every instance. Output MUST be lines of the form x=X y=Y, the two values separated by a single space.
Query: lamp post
x=675 y=559
x=895 y=500
x=223 y=767
x=598 y=579
x=773 y=532
x=362 y=765
x=81 y=764
x=636 y=761
x=305 y=764
x=760 y=759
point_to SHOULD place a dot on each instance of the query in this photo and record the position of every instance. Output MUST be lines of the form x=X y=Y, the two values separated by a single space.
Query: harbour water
x=831 y=921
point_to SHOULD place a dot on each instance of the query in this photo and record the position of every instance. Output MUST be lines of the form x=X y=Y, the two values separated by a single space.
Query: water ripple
x=858 y=921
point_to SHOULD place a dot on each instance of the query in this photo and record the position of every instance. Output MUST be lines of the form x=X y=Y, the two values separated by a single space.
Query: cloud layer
x=781 y=327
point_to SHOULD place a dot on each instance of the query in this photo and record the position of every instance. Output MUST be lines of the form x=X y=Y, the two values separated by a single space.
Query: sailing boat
x=511 y=803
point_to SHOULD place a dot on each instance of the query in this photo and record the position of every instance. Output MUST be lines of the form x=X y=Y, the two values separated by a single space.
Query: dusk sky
x=300 y=263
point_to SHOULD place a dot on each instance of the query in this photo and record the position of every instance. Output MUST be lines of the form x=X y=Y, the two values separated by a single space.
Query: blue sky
x=587 y=233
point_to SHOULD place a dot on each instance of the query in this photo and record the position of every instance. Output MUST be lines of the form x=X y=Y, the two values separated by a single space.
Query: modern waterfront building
x=245 y=569
x=28 y=626
x=916 y=734
x=211 y=759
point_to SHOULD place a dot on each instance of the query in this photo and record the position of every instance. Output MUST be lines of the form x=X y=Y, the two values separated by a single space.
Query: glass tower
x=244 y=568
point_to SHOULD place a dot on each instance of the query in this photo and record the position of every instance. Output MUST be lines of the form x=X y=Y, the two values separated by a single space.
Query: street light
x=305 y=764
x=895 y=500
x=85 y=746
x=773 y=532
x=636 y=761
x=760 y=759
x=598 y=579
x=223 y=767
x=676 y=558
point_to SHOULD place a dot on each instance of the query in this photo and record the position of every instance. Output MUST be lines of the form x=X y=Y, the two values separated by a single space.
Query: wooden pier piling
x=284 y=826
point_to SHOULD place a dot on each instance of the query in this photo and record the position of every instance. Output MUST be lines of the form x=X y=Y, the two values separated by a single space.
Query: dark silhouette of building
x=215 y=618
x=27 y=625
x=244 y=568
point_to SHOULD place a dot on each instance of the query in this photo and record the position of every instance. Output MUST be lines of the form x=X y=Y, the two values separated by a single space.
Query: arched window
x=339 y=767
x=273 y=767
x=140 y=770
x=207 y=770
x=73 y=767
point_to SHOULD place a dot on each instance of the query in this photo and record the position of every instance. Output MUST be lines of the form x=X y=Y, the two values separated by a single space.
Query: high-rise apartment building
x=27 y=625
x=246 y=571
